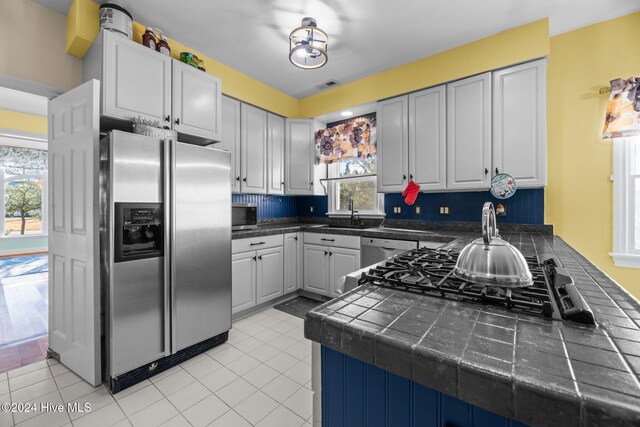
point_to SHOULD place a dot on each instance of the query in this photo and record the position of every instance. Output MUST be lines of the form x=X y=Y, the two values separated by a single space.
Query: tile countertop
x=536 y=370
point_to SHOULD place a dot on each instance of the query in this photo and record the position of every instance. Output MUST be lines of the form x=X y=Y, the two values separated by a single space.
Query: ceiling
x=365 y=36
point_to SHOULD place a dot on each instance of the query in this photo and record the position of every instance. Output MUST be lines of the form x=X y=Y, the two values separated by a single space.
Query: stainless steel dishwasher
x=376 y=250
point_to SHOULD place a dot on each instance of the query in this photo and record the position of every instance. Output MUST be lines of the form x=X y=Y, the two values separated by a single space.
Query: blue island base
x=355 y=393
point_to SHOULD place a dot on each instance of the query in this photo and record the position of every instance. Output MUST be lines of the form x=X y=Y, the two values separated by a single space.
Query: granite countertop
x=536 y=370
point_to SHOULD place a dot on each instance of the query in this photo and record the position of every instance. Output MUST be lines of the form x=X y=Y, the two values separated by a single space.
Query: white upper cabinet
x=253 y=149
x=299 y=152
x=230 y=140
x=469 y=133
x=392 y=144
x=427 y=138
x=136 y=81
x=275 y=154
x=196 y=102
x=519 y=123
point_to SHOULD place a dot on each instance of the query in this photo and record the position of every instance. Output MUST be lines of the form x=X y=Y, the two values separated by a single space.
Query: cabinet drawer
x=256 y=243
x=337 y=240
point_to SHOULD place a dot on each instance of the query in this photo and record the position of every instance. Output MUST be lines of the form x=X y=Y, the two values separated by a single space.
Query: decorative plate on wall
x=503 y=186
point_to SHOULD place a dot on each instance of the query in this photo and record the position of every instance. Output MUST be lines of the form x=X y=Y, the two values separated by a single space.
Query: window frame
x=624 y=252
x=333 y=193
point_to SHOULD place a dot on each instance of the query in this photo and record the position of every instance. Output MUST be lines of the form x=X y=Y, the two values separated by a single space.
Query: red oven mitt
x=410 y=193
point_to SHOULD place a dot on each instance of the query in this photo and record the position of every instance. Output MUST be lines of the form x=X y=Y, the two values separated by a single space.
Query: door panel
x=74 y=278
x=253 y=149
x=269 y=280
x=427 y=138
x=196 y=102
x=469 y=133
x=519 y=116
x=275 y=141
x=243 y=272
x=392 y=116
x=230 y=140
x=137 y=81
x=291 y=259
x=316 y=268
x=299 y=156
x=201 y=244
x=341 y=262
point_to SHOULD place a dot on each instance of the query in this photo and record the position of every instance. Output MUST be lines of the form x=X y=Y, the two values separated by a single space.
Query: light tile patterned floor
x=261 y=377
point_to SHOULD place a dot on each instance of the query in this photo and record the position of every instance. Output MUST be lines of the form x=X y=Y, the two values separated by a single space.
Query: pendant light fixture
x=308 y=45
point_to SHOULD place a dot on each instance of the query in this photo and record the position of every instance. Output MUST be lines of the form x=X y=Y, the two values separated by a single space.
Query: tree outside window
x=23 y=201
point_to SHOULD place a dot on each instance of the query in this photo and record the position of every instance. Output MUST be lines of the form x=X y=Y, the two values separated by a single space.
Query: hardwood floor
x=23 y=314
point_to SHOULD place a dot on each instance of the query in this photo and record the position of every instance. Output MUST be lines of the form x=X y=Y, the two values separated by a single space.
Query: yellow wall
x=578 y=199
x=32 y=45
x=507 y=48
x=23 y=122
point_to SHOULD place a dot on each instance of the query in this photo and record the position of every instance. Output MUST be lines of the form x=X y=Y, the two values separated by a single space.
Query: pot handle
x=489 y=228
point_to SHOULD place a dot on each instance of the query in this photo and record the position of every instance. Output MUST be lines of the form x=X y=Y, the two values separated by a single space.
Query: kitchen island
x=392 y=357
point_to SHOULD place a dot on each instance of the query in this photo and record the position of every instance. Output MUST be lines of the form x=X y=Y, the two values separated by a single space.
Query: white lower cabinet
x=292 y=262
x=324 y=263
x=243 y=281
x=269 y=280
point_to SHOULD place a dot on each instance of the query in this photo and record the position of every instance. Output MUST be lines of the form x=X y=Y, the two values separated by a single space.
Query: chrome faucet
x=353 y=212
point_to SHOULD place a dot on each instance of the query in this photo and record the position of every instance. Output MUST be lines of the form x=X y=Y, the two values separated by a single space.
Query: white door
x=136 y=80
x=299 y=151
x=230 y=140
x=269 y=283
x=243 y=281
x=253 y=149
x=341 y=262
x=519 y=123
x=291 y=258
x=196 y=102
x=392 y=118
x=315 y=268
x=427 y=138
x=275 y=154
x=469 y=133
x=74 y=269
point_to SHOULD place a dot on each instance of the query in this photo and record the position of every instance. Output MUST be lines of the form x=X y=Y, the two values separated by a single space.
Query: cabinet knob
x=244 y=179
x=254 y=258
x=404 y=177
x=486 y=171
x=260 y=257
x=410 y=176
x=168 y=118
x=178 y=121
x=325 y=253
x=282 y=183
x=311 y=183
x=497 y=171
x=330 y=253
x=237 y=178
x=295 y=238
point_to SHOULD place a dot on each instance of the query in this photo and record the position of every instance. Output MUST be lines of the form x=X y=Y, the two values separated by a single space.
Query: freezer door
x=201 y=253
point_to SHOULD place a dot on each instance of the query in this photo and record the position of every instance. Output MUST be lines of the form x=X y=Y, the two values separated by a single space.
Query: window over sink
x=354 y=179
x=626 y=202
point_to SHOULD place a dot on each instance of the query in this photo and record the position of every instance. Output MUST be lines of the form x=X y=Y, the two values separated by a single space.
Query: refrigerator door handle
x=172 y=185
x=168 y=242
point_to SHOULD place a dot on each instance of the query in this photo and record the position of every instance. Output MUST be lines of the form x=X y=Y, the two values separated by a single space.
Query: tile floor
x=261 y=377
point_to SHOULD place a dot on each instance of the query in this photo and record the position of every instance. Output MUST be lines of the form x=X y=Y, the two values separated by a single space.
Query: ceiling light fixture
x=308 y=45
x=346 y=113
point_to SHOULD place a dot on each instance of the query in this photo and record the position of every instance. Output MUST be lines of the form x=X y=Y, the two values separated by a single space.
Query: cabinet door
x=316 y=269
x=230 y=140
x=136 y=81
x=243 y=281
x=427 y=138
x=269 y=282
x=291 y=261
x=519 y=123
x=341 y=262
x=299 y=150
x=253 y=149
x=275 y=154
x=393 y=143
x=196 y=102
x=469 y=133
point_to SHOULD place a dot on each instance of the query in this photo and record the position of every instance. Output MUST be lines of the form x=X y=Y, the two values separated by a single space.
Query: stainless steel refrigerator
x=165 y=253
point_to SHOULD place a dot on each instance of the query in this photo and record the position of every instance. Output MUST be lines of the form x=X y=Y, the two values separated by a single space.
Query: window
x=23 y=189
x=626 y=202
x=366 y=199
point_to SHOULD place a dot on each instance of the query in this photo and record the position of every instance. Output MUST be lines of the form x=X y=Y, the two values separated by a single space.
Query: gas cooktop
x=430 y=272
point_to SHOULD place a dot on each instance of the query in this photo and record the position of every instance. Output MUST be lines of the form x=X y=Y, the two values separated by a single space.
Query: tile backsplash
x=525 y=207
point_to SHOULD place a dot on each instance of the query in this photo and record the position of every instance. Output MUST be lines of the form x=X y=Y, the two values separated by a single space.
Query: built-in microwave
x=244 y=216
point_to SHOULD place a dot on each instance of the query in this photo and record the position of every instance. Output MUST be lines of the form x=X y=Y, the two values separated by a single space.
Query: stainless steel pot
x=490 y=260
